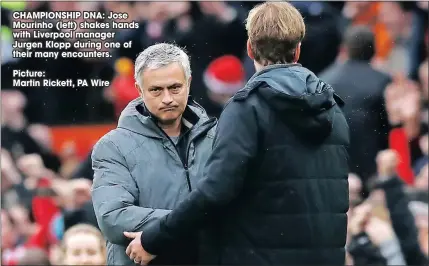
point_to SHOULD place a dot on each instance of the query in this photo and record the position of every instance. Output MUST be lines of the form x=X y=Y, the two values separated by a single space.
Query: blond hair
x=274 y=29
x=83 y=228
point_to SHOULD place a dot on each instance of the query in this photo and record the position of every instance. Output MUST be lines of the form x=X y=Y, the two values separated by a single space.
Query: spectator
x=201 y=27
x=362 y=88
x=84 y=170
x=83 y=245
x=122 y=90
x=422 y=182
x=323 y=37
x=403 y=106
x=9 y=238
x=403 y=222
x=419 y=210
x=393 y=240
x=367 y=14
x=361 y=247
x=417 y=50
x=21 y=219
x=397 y=20
x=15 y=134
x=223 y=78
x=34 y=256
x=69 y=159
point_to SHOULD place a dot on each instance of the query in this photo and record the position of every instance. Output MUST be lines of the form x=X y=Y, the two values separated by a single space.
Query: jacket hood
x=136 y=118
x=300 y=98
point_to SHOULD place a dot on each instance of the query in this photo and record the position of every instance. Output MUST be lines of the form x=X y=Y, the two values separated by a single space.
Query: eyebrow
x=176 y=84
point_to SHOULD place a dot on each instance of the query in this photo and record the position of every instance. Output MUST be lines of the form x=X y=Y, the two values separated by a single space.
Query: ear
x=249 y=50
x=137 y=86
x=189 y=83
x=297 y=53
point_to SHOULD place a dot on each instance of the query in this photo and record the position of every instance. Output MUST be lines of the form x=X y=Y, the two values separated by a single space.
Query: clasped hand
x=135 y=249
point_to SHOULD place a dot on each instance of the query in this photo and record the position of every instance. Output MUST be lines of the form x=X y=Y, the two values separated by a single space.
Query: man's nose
x=167 y=99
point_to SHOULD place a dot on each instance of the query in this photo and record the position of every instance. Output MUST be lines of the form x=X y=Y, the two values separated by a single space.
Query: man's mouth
x=168 y=109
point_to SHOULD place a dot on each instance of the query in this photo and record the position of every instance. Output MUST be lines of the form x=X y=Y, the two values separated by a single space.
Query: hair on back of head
x=275 y=29
x=359 y=42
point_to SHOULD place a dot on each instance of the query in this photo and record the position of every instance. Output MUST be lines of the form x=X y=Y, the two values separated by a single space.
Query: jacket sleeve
x=115 y=195
x=403 y=221
x=234 y=147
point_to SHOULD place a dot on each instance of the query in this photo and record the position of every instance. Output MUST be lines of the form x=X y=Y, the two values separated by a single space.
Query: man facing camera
x=276 y=180
x=154 y=158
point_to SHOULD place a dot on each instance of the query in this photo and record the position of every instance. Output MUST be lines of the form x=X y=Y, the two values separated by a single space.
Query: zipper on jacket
x=212 y=120
x=188 y=180
x=185 y=163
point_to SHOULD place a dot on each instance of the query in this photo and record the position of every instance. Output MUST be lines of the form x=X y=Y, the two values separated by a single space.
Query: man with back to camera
x=153 y=159
x=362 y=86
x=276 y=181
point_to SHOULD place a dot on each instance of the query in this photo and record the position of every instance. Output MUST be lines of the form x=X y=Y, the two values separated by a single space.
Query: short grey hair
x=160 y=55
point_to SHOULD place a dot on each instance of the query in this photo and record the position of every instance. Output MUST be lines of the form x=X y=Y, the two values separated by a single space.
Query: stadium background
x=50 y=131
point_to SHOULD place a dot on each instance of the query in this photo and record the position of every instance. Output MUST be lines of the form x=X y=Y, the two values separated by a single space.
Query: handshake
x=136 y=251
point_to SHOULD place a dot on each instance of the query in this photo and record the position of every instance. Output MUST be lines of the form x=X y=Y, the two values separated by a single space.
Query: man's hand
x=379 y=231
x=136 y=251
x=359 y=218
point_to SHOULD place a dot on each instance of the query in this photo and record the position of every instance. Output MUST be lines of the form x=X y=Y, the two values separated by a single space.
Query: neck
x=258 y=67
x=173 y=129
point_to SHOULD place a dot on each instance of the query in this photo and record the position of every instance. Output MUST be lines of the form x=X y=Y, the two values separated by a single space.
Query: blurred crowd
x=374 y=54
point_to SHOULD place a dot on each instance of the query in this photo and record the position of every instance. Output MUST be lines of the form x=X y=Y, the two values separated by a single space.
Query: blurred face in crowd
x=83 y=248
x=12 y=102
x=63 y=6
x=163 y=11
x=165 y=92
x=359 y=6
x=394 y=18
